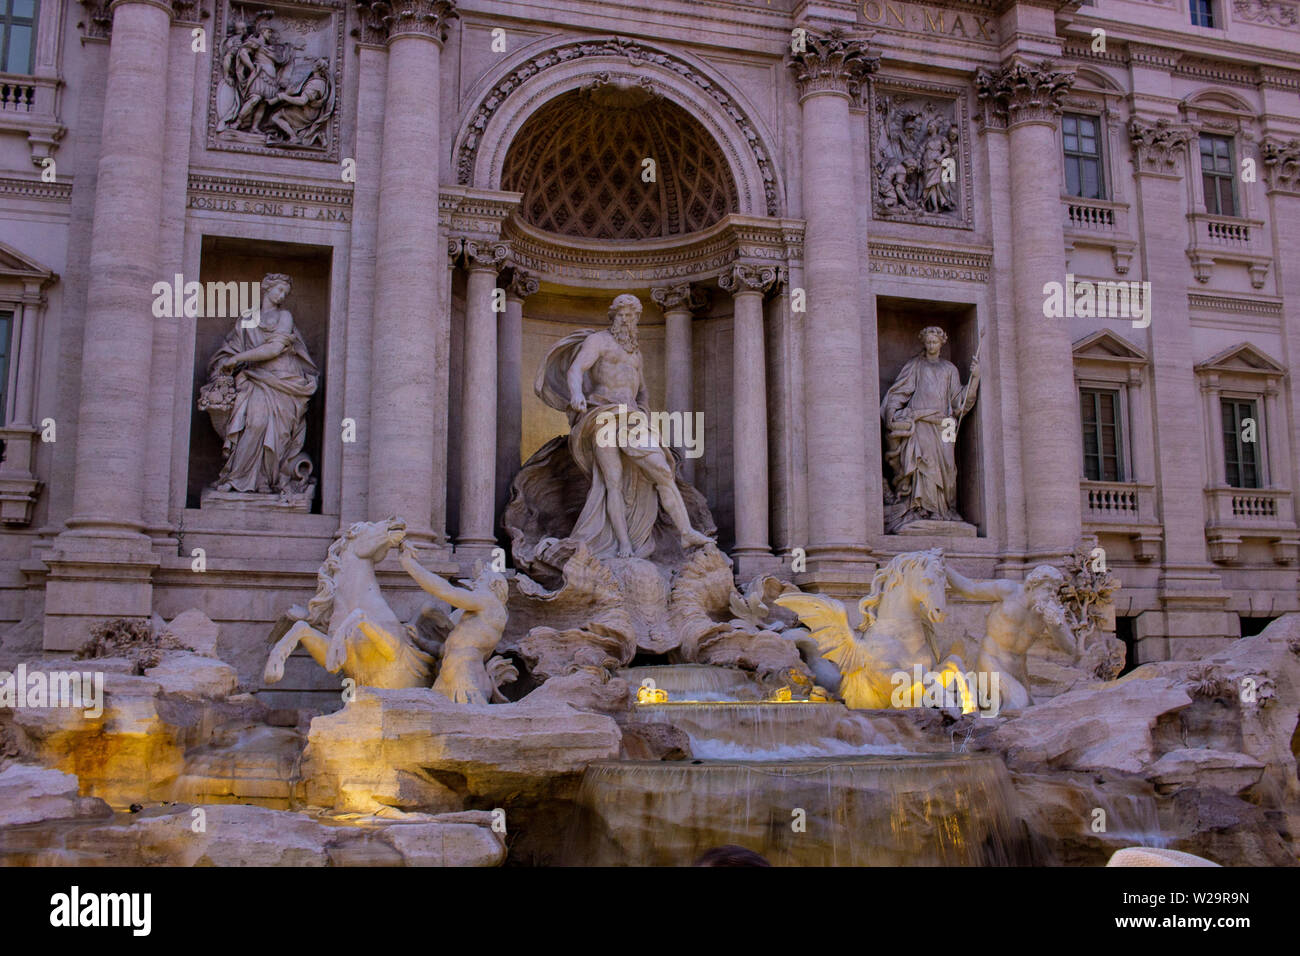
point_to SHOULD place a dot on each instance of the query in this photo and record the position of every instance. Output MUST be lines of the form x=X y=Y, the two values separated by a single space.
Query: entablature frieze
x=930 y=262
x=268 y=198
x=697 y=257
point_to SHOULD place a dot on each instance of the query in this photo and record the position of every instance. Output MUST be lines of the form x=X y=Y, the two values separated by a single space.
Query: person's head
x=625 y=310
x=932 y=339
x=730 y=855
x=275 y=287
x=494 y=581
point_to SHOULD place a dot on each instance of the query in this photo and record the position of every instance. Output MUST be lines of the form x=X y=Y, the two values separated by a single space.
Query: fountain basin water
x=913 y=810
x=696 y=682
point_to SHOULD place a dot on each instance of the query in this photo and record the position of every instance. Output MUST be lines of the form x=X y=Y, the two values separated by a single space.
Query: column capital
x=741 y=278
x=522 y=284
x=1281 y=160
x=1020 y=92
x=383 y=21
x=1156 y=145
x=680 y=298
x=834 y=62
x=477 y=254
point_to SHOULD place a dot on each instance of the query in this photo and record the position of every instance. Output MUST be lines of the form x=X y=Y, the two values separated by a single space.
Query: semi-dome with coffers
x=579 y=162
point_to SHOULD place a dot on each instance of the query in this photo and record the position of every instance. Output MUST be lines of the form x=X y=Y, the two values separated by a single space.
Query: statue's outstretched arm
x=979 y=590
x=435 y=584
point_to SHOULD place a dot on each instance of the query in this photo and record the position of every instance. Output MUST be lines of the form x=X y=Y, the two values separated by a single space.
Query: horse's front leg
x=337 y=655
x=274 y=671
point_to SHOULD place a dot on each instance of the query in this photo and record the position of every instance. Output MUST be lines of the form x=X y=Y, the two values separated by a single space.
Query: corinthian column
x=829 y=72
x=748 y=285
x=1025 y=100
x=478 y=420
x=510 y=357
x=677 y=303
x=404 y=353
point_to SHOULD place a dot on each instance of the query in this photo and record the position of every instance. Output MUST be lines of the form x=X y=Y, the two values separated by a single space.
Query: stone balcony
x=1234 y=514
x=1217 y=239
x=1099 y=222
x=29 y=104
x=1126 y=508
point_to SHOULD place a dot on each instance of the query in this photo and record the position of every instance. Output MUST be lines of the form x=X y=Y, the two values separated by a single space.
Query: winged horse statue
x=895 y=631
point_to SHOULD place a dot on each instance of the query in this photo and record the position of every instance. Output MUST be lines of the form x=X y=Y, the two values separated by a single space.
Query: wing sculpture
x=842 y=645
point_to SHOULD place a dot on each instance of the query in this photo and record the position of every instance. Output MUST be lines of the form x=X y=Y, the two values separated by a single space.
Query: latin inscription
x=915 y=18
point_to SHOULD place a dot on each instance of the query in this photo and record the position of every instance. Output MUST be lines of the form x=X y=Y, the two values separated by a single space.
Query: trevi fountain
x=608 y=693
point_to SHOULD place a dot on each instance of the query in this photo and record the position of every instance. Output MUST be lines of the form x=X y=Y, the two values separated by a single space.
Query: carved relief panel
x=275 y=78
x=920 y=153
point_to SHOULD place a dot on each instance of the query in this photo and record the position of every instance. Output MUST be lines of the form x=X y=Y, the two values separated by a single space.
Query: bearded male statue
x=595 y=376
x=1025 y=612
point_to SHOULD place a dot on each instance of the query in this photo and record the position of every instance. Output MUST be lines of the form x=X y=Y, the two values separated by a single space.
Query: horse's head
x=928 y=582
x=372 y=540
x=914 y=577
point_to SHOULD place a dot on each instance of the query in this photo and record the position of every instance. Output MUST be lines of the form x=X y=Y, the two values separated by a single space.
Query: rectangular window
x=17 y=35
x=1099 y=412
x=6 y=328
x=1241 y=435
x=1217 y=175
x=1202 y=13
x=1082 y=140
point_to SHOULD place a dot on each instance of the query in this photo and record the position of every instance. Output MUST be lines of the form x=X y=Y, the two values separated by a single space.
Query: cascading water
x=920 y=810
x=803 y=783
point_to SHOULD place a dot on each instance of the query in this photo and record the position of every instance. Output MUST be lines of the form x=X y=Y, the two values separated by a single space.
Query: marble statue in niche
x=917 y=157
x=275 y=85
x=922 y=412
x=591 y=375
x=259 y=383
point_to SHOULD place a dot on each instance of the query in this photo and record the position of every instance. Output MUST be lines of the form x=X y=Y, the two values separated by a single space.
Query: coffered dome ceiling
x=579 y=159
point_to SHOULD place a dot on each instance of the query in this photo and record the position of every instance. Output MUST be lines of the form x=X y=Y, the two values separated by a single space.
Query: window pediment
x=1241 y=359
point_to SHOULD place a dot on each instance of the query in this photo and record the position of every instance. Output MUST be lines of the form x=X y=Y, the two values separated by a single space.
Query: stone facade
x=793 y=188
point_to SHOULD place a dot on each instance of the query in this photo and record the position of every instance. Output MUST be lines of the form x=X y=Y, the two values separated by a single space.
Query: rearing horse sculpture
x=348 y=625
x=896 y=631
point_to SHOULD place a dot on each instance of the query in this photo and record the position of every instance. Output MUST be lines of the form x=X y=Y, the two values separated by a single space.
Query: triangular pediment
x=1108 y=346
x=16 y=265
x=1242 y=358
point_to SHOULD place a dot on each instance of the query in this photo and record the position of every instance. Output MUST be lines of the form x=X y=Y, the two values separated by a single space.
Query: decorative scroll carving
x=629 y=51
x=522 y=284
x=1281 y=164
x=472 y=254
x=741 y=278
x=920 y=160
x=1021 y=93
x=98 y=20
x=1156 y=145
x=382 y=20
x=275 y=79
x=836 y=62
x=686 y=296
x=1269 y=12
